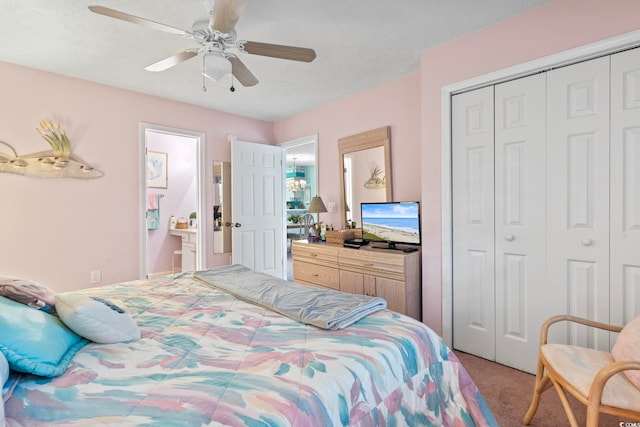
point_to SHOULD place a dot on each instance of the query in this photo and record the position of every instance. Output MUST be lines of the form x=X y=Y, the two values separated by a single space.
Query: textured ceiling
x=359 y=44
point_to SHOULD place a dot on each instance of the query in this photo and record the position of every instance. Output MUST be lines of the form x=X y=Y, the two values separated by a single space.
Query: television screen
x=392 y=222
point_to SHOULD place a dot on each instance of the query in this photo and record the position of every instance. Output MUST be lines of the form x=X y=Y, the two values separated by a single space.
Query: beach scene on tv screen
x=393 y=222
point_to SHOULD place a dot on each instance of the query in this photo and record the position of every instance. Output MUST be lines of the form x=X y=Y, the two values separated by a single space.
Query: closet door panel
x=625 y=186
x=473 y=223
x=578 y=195
x=521 y=288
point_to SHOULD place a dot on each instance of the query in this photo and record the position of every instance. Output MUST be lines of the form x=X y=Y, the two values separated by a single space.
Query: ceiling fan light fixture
x=216 y=67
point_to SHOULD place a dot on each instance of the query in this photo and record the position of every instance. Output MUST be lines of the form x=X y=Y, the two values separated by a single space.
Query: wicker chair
x=595 y=378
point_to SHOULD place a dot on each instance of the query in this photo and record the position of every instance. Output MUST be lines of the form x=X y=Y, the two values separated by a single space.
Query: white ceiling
x=359 y=44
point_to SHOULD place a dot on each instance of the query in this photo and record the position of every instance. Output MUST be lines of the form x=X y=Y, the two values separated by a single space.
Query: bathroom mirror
x=365 y=162
x=221 y=207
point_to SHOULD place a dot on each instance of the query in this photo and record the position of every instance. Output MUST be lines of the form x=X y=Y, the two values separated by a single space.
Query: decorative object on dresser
x=392 y=275
x=316 y=207
x=339 y=237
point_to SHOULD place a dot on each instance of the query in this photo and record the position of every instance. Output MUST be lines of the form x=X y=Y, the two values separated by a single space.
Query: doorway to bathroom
x=172 y=220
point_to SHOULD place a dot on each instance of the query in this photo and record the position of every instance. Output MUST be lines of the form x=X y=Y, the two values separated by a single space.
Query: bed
x=207 y=357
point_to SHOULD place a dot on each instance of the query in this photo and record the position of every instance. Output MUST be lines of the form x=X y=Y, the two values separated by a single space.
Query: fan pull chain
x=204 y=81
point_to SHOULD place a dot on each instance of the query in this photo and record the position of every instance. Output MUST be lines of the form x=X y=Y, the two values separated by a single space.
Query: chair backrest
x=306 y=221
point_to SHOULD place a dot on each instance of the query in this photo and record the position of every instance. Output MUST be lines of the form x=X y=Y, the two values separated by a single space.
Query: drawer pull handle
x=315 y=275
x=314 y=254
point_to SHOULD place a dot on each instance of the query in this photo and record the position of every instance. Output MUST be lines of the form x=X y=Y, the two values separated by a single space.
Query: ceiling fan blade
x=242 y=73
x=171 y=61
x=279 y=51
x=112 y=13
x=226 y=14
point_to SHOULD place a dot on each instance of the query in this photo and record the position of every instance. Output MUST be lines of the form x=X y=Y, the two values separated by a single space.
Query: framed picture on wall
x=157 y=169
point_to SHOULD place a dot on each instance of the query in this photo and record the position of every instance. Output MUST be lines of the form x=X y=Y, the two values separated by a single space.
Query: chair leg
x=593 y=414
x=565 y=404
x=541 y=385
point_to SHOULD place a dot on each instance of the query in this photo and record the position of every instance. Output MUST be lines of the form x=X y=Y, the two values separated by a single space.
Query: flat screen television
x=391 y=222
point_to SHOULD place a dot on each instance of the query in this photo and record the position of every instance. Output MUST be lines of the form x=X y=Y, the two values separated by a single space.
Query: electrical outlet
x=331 y=206
x=96 y=277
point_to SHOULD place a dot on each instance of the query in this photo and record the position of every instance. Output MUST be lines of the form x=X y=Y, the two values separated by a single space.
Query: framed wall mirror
x=221 y=207
x=365 y=162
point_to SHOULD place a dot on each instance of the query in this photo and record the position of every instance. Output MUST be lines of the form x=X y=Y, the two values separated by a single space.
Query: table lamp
x=317 y=206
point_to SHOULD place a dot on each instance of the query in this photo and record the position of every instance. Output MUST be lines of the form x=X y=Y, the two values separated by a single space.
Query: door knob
x=509 y=237
x=237 y=225
x=587 y=242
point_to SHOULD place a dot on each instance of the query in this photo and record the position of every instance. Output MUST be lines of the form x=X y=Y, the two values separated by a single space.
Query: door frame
x=579 y=54
x=313 y=138
x=199 y=138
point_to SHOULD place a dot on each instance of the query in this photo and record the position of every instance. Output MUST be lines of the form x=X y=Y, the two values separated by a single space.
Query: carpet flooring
x=508 y=393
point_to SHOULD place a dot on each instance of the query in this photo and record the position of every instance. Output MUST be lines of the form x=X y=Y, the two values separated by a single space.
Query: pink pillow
x=26 y=292
x=627 y=347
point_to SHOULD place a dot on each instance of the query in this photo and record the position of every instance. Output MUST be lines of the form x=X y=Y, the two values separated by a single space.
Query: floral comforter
x=207 y=358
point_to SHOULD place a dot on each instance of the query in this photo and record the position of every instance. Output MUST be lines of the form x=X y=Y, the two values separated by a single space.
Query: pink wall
x=57 y=231
x=555 y=27
x=395 y=104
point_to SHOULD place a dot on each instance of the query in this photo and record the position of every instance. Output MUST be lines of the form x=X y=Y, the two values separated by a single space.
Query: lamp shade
x=216 y=67
x=317 y=205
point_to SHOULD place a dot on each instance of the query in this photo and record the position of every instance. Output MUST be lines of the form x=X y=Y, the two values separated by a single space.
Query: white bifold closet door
x=578 y=196
x=546 y=207
x=474 y=326
x=625 y=183
x=499 y=220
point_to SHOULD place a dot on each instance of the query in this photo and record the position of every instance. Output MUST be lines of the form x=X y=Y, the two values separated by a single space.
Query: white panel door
x=473 y=223
x=521 y=289
x=256 y=198
x=625 y=186
x=578 y=195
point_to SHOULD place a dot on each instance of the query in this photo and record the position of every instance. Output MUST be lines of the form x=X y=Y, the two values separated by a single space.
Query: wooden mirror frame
x=380 y=137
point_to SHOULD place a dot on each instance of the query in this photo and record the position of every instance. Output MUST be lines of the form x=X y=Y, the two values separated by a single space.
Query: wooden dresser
x=390 y=274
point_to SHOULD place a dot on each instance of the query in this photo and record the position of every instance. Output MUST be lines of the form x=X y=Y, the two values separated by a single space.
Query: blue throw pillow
x=4 y=371
x=36 y=342
x=4 y=374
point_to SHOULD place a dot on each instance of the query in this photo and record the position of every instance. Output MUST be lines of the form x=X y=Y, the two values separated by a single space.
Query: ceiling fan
x=216 y=35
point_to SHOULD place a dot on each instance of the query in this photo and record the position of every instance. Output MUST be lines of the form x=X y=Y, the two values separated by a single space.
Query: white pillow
x=96 y=319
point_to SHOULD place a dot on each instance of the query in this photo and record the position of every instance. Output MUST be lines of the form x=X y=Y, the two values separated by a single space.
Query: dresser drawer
x=309 y=273
x=384 y=264
x=315 y=254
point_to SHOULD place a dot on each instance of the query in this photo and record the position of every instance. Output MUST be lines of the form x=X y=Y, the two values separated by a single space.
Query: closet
x=546 y=207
